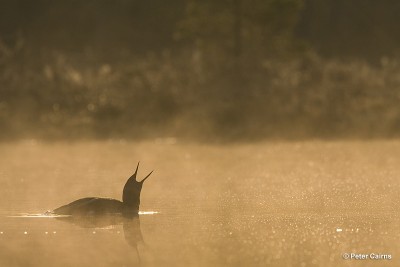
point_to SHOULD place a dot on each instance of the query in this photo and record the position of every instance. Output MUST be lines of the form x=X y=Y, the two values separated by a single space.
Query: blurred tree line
x=214 y=70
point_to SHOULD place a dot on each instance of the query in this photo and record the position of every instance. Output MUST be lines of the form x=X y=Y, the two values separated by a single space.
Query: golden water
x=262 y=204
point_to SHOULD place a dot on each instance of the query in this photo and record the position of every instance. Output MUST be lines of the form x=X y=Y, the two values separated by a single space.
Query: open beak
x=146 y=177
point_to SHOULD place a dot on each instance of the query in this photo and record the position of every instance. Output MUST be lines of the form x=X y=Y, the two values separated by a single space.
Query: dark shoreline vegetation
x=198 y=70
x=170 y=95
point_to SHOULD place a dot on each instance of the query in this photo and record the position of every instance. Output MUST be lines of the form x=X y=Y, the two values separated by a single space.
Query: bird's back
x=91 y=206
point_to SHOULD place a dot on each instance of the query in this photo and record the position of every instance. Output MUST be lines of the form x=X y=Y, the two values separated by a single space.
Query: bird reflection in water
x=130 y=224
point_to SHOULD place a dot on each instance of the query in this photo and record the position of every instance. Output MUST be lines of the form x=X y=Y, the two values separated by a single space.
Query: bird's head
x=132 y=189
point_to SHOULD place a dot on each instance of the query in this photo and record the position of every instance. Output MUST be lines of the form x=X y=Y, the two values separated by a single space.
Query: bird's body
x=101 y=206
x=90 y=206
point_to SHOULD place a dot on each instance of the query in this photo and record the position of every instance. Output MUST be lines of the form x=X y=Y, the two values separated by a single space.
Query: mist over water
x=264 y=204
x=271 y=127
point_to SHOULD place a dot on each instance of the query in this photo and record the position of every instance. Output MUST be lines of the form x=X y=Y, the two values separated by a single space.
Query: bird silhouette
x=92 y=206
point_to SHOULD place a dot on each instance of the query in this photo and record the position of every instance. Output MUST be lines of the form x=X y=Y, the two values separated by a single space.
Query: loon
x=129 y=206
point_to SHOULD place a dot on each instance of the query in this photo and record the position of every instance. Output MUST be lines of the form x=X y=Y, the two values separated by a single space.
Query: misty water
x=260 y=204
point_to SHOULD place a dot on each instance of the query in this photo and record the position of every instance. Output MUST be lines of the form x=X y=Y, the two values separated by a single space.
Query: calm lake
x=261 y=204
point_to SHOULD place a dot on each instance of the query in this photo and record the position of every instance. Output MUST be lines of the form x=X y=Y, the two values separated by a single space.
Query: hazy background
x=199 y=70
x=184 y=87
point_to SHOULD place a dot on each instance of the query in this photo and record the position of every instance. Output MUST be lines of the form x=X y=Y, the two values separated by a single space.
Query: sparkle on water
x=263 y=204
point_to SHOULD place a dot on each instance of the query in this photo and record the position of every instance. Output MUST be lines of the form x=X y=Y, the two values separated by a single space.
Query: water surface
x=263 y=204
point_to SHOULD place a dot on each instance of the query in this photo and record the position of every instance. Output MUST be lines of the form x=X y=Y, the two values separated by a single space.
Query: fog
x=271 y=126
